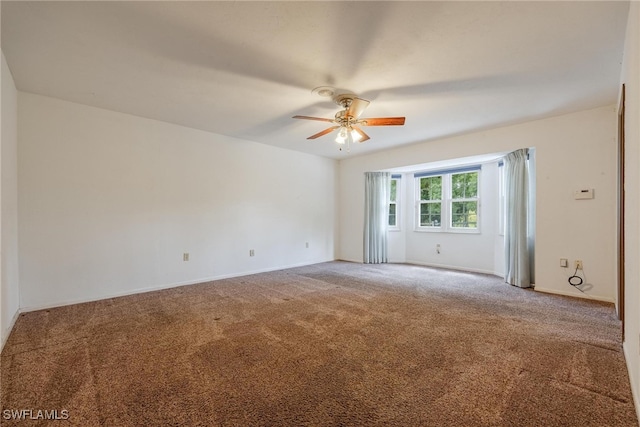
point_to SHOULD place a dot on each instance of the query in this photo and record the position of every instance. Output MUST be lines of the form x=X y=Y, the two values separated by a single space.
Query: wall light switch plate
x=564 y=262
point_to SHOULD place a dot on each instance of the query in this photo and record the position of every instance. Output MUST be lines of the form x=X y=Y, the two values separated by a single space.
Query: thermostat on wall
x=583 y=194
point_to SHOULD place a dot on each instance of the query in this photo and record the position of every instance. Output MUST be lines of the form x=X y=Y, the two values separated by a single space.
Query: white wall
x=631 y=78
x=573 y=151
x=109 y=202
x=9 y=292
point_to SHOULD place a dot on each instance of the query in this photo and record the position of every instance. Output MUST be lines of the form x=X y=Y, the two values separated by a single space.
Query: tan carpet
x=335 y=344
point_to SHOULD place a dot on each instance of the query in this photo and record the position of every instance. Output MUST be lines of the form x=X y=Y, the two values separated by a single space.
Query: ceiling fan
x=348 y=120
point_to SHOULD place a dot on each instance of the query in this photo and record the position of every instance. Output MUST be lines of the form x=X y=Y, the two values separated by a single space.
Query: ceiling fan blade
x=356 y=107
x=324 y=132
x=382 y=121
x=361 y=132
x=320 y=119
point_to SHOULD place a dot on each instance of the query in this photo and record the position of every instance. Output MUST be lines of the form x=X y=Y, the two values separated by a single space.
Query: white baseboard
x=7 y=331
x=451 y=267
x=161 y=287
x=577 y=295
x=635 y=387
x=357 y=261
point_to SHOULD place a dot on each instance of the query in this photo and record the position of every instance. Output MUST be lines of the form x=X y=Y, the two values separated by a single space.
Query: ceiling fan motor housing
x=344 y=99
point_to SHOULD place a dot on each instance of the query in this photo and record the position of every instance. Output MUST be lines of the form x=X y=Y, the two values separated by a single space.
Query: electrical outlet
x=185 y=256
x=578 y=264
x=564 y=262
x=438 y=248
x=252 y=252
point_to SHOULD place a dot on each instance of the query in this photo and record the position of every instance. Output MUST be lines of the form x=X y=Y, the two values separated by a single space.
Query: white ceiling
x=242 y=69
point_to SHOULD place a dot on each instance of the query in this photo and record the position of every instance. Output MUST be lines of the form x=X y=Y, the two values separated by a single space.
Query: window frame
x=447 y=200
x=420 y=202
x=451 y=200
x=397 y=202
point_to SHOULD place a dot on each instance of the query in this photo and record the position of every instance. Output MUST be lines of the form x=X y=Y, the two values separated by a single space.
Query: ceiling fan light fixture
x=343 y=136
x=347 y=136
x=355 y=136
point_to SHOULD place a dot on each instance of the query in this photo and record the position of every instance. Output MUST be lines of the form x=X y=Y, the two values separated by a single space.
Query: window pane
x=457 y=221
x=431 y=188
x=457 y=208
x=472 y=214
x=430 y=214
x=392 y=214
x=464 y=185
x=472 y=185
x=464 y=214
x=457 y=186
x=394 y=184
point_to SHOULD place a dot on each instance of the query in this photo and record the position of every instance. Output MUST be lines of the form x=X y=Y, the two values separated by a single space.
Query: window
x=464 y=200
x=448 y=200
x=431 y=201
x=394 y=203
